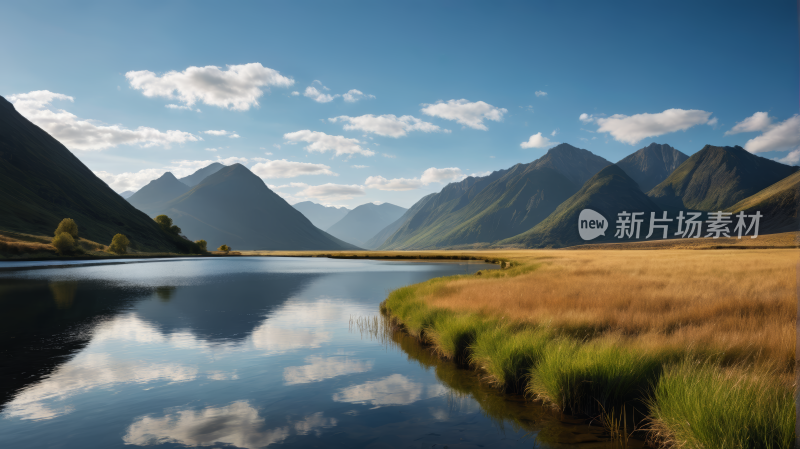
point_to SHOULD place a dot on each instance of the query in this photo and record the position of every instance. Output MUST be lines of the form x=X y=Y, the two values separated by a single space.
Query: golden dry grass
x=740 y=305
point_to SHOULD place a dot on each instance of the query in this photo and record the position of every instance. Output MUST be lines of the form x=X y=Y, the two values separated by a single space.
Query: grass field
x=592 y=331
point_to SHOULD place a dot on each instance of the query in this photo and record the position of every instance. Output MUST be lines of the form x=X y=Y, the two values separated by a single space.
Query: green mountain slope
x=652 y=164
x=716 y=178
x=234 y=207
x=42 y=182
x=501 y=205
x=198 y=176
x=321 y=216
x=363 y=222
x=609 y=192
x=778 y=205
x=151 y=198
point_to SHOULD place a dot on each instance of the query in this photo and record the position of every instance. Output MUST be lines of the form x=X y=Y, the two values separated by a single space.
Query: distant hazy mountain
x=127 y=194
x=378 y=239
x=43 y=182
x=778 y=204
x=363 y=222
x=716 y=178
x=498 y=206
x=609 y=192
x=652 y=164
x=234 y=207
x=198 y=176
x=321 y=216
x=152 y=198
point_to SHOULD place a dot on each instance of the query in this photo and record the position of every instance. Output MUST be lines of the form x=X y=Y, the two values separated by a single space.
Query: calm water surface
x=239 y=352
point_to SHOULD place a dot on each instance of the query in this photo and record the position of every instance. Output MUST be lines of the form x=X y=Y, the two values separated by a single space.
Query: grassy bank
x=702 y=342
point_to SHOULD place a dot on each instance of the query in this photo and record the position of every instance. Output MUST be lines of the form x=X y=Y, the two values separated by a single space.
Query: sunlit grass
x=597 y=330
x=698 y=405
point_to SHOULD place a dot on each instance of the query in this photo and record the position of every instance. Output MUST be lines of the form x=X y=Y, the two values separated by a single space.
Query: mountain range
x=363 y=222
x=321 y=216
x=537 y=204
x=43 y=182
x=234 y=207
x=716 y=178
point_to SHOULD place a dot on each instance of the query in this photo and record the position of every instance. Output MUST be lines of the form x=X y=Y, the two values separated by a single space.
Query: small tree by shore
x=65 y=236
x=68 y=226
x=64 y=243
x=119 y=244
x=202 y=244
x=225 y=248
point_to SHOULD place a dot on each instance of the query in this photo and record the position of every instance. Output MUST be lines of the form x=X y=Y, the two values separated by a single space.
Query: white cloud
x=176 y=106
x=321 y=368
x=354 y=95
x=756 y=122
x=237 y=88
x=295 y=93
x=434 y=174
x=234 y=136
x=396 y=184
x=321 y=142
x=238 y=424
x=276 y=146
x=538 y=141
x=465 y=112
x=269 y=169
x=314 y=94
x=360 y=166
x=220 y=132
x=540 y=93
x=388 y=125
x=555 y=131
x=390 y=156
x=332 y=191
x=712 y=122
x=429 y=176
x=586 y=118
x=392 y=390
x=211 y=149
x=77 y=134
x=783 y=136
x=632 y=129
x=791 y=159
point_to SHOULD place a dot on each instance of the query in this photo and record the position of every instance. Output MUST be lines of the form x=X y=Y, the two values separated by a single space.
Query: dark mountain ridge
x=716 y=178
x=652 y=164
x=234 y=207
x=43 y=182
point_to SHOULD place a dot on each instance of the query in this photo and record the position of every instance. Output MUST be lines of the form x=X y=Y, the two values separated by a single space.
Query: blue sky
x=477 y=80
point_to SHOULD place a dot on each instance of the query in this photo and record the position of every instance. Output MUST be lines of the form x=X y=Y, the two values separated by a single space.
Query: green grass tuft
x=699 y=405
x=507 y=354
x=589 y=378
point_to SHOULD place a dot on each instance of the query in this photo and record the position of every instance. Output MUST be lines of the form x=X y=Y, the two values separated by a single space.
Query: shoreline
x=551 y=365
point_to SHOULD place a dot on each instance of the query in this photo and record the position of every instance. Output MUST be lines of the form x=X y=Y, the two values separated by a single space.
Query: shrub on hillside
x=166 y=225
x=64 y=243
x=68 y=226
x=119 y=244
x=202 y=244
x=225 y=248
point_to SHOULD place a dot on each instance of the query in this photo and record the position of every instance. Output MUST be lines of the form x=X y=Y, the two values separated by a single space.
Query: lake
x=244 y=352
